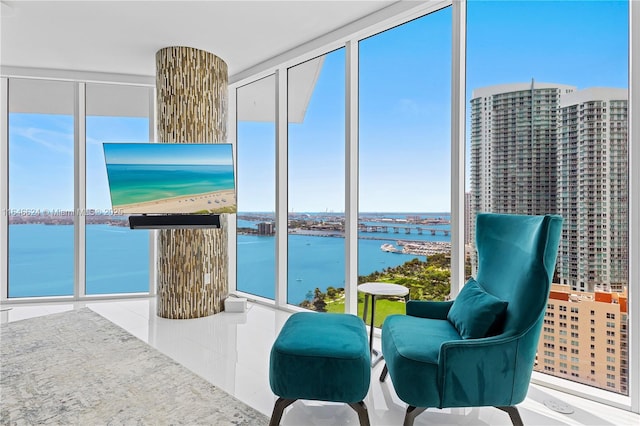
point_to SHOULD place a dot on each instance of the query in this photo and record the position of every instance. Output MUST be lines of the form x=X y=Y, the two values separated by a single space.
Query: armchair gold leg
x=412 y=413
x=514 y=415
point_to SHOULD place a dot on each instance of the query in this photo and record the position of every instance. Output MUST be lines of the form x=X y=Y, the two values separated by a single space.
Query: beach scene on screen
x=160 y=178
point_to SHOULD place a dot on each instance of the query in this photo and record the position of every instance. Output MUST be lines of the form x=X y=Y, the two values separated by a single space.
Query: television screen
x=170 y=178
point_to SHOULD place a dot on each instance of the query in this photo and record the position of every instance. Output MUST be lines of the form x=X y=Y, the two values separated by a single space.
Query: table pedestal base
x=383 y=290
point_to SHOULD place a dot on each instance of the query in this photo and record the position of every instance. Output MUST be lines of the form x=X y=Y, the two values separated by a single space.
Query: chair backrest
x=516 y=259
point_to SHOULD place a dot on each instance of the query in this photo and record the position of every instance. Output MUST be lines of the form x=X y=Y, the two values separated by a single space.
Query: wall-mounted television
x=171 y=179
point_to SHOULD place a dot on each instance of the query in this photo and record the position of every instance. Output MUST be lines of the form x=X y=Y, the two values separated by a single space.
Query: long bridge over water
x=398 y=229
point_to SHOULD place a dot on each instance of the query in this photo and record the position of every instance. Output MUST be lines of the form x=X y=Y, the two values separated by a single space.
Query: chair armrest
x=487 y=371
x=428 y=309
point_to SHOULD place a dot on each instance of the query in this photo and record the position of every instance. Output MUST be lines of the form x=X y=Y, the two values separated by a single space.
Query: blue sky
x=188 y=154
x=404 y=111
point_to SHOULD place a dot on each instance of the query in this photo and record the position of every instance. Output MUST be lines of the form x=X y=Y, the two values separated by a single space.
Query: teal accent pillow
x=474 y=311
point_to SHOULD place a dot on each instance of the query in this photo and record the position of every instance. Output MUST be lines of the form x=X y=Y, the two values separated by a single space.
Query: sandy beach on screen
x=211 y=201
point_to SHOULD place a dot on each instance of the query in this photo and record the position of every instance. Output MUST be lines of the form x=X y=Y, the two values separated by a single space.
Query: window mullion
x=153 y=234
x=281 y=187
x=79 y=198
x=634 y=206
x=4 y=188
x=458 y=114
x=351 y=178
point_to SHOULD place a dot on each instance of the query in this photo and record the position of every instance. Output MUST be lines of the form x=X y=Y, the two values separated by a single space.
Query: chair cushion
x=321 y=356
x=474 y=311
x=418 y=339
x=411 y=348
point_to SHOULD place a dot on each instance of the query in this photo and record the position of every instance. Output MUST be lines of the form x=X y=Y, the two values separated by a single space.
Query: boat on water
x=420 y=248
x=389 y=248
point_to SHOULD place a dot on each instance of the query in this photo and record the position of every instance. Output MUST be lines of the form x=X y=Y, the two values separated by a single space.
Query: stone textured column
x=191 y=88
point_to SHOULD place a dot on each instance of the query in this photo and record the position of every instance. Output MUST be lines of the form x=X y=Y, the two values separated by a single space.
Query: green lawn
x=384 y=307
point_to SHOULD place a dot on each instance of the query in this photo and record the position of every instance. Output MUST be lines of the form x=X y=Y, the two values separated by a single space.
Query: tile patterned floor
x=231 y=350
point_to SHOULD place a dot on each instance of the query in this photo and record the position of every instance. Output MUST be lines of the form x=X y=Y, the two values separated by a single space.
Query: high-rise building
x=540 y=148
x=584 y=338
x=513 y=147
x=592 y=189
x=266 y=228
x=468 y=218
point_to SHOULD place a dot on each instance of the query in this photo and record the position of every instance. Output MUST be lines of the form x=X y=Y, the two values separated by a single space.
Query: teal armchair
x=478 y=350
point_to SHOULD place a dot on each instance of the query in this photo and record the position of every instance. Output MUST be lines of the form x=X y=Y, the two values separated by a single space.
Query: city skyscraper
x=539 y=148
x=514 y=147
x=584 y=338
x=592 y=189
x=468 y=219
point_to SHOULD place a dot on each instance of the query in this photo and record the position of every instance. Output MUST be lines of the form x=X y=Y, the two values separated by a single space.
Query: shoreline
x=215 y=201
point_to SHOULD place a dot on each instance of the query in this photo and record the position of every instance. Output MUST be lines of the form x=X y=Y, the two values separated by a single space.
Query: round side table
x=379 y=290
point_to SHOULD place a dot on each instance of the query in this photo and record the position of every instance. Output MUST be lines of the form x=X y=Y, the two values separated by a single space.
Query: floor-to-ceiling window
x=404 y=163
x=117 y=258
x=547 y=86
x=41 y=188
x=256 y=150
x=316 y=152
x=404 y=159
x=45 y=171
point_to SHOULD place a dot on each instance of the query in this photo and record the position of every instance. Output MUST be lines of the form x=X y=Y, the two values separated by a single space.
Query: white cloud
x=50 y=139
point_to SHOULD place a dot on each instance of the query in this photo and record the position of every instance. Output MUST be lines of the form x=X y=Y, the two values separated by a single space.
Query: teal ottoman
x=321 y=356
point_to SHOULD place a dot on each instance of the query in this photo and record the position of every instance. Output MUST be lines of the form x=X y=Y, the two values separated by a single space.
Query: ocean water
x=318 y=262
x=314 y=262
x=41 y=260
x=136 y=183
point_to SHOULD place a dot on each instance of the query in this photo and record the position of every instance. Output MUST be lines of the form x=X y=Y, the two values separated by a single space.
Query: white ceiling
x=123 y=36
